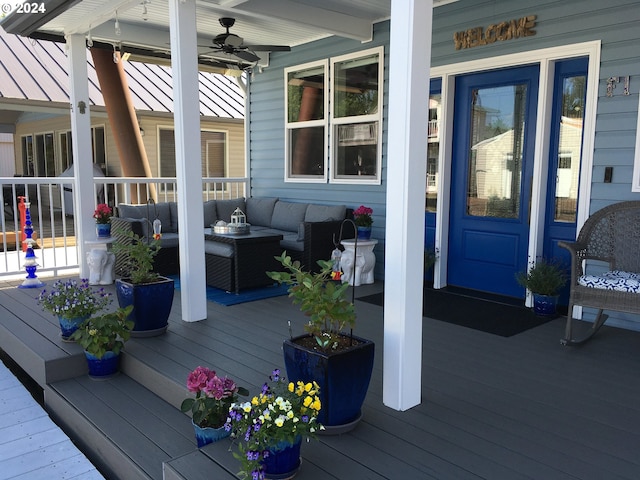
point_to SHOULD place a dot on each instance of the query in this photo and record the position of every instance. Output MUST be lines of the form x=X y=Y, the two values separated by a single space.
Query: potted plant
x=72 y=302
x=102 y=215
x=338 y=361
x=150 y=294
x=363 y=221
x=102 y=338
x=209 y=409
x=269 y=429
x=544 y=279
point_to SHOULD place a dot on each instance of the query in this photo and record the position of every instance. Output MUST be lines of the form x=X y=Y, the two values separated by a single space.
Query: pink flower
x=197 y=380
x=102 y=213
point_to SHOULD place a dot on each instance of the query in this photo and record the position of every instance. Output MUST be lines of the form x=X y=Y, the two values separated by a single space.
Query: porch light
x=238 y=217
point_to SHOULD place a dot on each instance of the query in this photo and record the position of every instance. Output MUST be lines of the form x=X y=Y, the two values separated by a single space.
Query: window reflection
x=495 y=154
x=569 y=148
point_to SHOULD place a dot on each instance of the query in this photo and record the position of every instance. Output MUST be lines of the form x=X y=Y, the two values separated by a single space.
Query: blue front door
x=492 y=165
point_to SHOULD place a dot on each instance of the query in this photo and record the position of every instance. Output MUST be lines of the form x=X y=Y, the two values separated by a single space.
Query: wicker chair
x=609 y=238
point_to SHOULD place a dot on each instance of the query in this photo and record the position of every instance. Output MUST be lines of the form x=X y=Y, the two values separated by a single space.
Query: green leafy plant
x=214 y=397
x=281 y=412
x=321 y=299
x=138 y=256
x=73 y=299
x=546 y=277
x=104 y=333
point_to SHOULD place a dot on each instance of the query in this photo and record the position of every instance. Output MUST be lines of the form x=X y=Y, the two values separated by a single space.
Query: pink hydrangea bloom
x=197 y=380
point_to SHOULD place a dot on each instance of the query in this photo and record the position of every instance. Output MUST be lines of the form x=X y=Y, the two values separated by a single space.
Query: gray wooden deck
x=522 y=407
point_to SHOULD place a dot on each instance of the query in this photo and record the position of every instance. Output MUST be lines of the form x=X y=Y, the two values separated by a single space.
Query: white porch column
x=83 y=198
x=184 y=63
x=409 y=61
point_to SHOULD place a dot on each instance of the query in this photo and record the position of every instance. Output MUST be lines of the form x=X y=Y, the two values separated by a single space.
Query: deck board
x=32 y=446
x=492 y=407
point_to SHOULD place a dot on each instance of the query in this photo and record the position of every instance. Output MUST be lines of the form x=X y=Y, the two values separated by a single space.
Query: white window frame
x=357 y=120
x=290 y=126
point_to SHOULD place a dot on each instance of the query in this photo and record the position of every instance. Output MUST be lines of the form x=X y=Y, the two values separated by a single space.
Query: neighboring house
x=34 y=109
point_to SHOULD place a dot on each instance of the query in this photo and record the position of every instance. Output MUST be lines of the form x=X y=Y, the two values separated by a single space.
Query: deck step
x=211 y=461
x=126 y=430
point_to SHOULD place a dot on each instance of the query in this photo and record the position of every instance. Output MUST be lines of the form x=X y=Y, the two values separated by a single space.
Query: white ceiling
x=270 y=22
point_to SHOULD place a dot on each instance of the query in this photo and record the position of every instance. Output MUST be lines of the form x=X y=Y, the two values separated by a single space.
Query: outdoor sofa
x=309 y=232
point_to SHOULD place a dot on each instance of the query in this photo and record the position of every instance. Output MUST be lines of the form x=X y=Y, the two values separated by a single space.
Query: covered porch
x=492 y=407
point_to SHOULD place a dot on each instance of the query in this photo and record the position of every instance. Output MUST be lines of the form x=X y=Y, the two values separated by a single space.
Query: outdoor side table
x=364 y=262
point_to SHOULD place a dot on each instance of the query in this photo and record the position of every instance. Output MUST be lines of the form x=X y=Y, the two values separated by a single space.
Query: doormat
x=227 y=299
x=480 y=314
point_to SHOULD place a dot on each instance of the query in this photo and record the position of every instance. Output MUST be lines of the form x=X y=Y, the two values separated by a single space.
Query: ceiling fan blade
x=268 y=48
x=246 y=55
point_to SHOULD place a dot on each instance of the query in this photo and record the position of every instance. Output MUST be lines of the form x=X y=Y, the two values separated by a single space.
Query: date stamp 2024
x=22 y=8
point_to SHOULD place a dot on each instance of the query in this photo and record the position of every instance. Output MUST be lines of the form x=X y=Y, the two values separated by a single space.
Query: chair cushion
x=290 y=242
x=219 y=249
x=210 y=213
x=325 y=213
x=287 y=216
x=163 y=212
x=260 y=210
x=226 y=207
x=173 y=210
x=614 y=280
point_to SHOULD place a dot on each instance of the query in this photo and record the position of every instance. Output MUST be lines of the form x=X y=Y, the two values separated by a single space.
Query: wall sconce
x=141 y=132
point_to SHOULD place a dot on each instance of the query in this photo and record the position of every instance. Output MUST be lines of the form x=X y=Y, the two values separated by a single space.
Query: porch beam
x=184 y=63
x=83 y=197
x=409 y=62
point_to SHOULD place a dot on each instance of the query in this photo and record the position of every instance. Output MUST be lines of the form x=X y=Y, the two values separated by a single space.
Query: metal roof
x=39 y=70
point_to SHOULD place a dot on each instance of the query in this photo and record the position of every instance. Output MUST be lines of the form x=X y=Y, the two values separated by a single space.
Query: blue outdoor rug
x=227 y=299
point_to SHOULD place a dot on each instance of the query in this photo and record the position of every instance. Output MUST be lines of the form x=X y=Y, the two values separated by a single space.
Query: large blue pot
x=343 y=378
x=151 y=302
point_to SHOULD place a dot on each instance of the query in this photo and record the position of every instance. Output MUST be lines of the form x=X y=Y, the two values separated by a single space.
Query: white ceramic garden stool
x=365 y=262
x=101 y=261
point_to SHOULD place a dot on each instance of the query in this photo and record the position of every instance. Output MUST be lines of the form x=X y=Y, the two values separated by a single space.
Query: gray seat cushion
x=169 y=240
x=210 y=213
x=260 y=211
x=325 y=213
x=287 y=216
x=290 y=242
x=226 y=207
x=219 y=249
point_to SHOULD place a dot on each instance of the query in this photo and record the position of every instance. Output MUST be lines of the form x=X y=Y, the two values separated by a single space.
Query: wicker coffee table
x=248 y=257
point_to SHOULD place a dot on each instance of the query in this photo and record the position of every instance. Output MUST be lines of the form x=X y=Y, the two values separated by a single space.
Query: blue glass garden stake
x=30 y=264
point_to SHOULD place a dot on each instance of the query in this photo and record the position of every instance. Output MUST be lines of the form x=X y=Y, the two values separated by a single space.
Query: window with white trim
x=356 y=117
x=213 y=148
x=306 y=105
x=339 y=140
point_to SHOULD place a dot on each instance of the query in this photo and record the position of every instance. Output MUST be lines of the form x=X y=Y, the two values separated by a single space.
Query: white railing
x=52 y=207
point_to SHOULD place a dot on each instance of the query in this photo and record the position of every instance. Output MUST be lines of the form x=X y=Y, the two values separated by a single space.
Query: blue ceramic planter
x=364 y=233
x=103 y=230
x=69 y=325
x=283 y=461
x=207 y=435
x=343 y=379
x=102 y=367
x=545 y=305
x=151 y=302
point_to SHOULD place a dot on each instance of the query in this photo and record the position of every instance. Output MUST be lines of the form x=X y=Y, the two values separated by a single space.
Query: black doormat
x=489 y=316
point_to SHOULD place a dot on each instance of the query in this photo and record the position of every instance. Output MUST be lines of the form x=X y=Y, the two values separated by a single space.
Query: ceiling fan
x=232 y=44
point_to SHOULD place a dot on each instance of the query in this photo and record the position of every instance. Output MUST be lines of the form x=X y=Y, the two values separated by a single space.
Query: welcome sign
x=497 y=32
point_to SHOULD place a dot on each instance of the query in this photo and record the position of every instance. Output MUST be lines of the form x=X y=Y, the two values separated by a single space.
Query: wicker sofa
x=308 y=230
